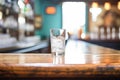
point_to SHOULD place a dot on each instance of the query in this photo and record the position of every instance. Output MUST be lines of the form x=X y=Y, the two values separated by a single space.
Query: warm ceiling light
x=51 y=10
x=107 y=5
x=118 y=5
x=94 y=5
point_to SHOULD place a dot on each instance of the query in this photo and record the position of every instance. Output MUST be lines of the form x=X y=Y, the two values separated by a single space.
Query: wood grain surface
x=80 y=60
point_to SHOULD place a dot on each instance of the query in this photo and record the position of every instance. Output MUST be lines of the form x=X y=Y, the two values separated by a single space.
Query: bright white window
x=73 y=16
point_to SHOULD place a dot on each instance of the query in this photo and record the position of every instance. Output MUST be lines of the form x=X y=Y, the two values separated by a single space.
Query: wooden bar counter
x=81 y=60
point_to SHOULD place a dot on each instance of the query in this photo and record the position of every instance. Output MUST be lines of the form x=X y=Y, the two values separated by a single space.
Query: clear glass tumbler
x=57 y=37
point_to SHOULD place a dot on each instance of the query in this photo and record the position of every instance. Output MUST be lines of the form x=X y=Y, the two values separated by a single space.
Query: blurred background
x=26 y=23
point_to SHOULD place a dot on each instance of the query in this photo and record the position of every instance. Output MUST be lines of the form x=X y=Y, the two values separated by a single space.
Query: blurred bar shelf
x=24 y=47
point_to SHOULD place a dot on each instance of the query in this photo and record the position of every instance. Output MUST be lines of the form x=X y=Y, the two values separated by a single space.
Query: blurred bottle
x=96 y=33
x=10 y=22
x=2 y=2
x=11 y=25
x=113 y=33
x=108 y=33
x=102 y=33
x=119 y=33
x=15 y=7
x=29 y=30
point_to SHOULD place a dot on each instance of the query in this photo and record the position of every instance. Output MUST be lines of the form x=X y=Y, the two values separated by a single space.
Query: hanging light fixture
x=107 y=5
x=118 y=5
x=95 y=10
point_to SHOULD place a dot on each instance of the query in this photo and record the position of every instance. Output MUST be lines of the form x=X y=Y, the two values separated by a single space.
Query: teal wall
x=49 y=21
x=37 y=7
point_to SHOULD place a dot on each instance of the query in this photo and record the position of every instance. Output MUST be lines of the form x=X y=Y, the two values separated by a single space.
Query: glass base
x=58 y=58
x=58 y=53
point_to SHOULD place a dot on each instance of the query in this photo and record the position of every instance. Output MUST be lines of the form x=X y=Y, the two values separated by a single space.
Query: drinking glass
x=57 y=37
